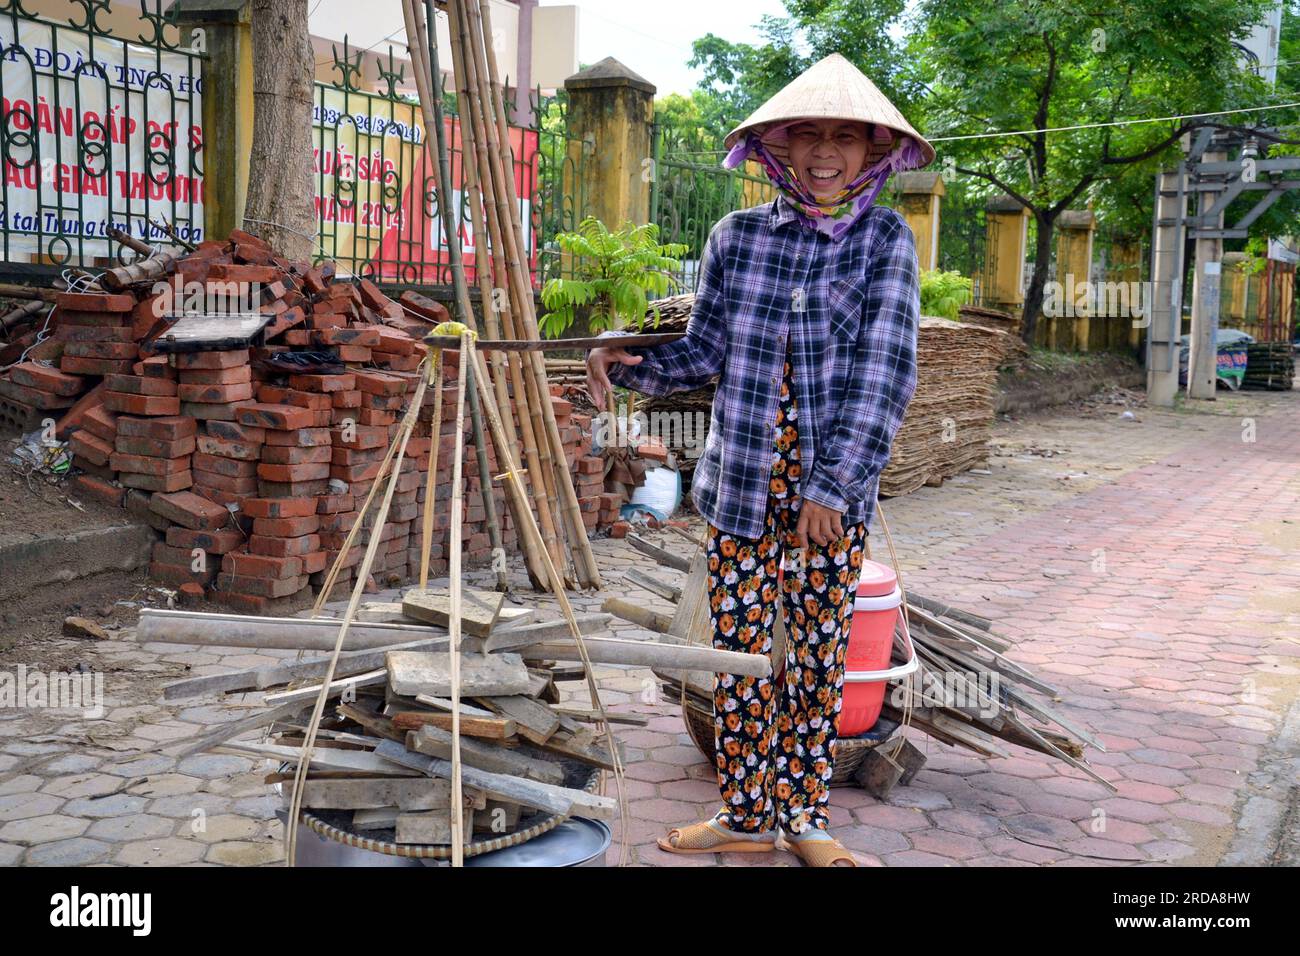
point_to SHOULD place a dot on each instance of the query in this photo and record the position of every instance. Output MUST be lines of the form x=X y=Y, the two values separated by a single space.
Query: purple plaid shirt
x=850 y=309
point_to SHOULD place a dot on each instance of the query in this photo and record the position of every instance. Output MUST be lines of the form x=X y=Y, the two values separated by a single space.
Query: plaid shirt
x=850 y=309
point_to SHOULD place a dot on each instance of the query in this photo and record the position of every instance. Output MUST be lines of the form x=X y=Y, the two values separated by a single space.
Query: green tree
x=1022 y=68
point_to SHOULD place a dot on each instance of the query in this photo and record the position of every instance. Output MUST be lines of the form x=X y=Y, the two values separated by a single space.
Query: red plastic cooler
x=871 y=641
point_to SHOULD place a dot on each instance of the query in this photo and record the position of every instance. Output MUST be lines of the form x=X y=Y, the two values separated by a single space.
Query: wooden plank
x=211 y=331
x=384 y=818
x=656 y=654
x=487 y=728
x=669 y=592
x=649 y=618
x=375 y=724
x=526 y=634
x=530 y=793
x=653 y=550
x=584 y=746
x=260 y=678
x=437 y=743
x=406 y=793
x=338 y=687
x=593 y=717
x=285 y=633
x=442 y=703
x=234 y=728
x=321 y=759
x=535 y=721
x=429 y=829
x=421 y=672
x=499 y=816
x=478 y=609
x=691 y=624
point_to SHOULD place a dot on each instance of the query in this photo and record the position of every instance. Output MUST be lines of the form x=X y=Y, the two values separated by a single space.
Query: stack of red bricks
x=256 y=475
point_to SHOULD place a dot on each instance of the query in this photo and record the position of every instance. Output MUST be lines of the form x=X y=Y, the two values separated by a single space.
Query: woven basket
x=848 y=752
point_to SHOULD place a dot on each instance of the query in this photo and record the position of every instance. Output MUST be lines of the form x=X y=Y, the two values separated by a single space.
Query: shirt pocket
x=845 y=302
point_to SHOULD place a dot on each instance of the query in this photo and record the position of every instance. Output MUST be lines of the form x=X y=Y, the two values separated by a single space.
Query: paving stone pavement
x=1149 y=568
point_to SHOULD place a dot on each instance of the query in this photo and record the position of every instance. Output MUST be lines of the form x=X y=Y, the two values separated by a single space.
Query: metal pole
x=462 y=297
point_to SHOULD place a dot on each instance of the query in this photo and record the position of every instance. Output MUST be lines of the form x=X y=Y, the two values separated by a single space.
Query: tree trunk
x=1037 y=281
x=280 y=193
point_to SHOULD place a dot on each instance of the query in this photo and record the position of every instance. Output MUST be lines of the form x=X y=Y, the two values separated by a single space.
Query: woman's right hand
x=598 y=364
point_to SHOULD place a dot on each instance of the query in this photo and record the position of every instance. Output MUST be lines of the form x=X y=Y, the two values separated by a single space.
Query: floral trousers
x=773 y=744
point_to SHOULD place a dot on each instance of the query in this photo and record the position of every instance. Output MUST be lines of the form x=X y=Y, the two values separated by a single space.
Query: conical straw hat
x=832 y=88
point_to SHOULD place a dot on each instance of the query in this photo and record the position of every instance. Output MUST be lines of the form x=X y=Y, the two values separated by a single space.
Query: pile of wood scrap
x=381 y=760
x=969 y=694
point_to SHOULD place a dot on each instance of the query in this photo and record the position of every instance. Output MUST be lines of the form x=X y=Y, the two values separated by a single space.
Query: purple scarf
x=833 y=215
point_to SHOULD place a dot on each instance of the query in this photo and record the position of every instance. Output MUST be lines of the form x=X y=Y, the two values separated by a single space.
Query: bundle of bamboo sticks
x=501 y=271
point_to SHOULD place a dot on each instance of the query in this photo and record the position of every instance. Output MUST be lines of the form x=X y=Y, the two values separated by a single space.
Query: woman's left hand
x=818 y=522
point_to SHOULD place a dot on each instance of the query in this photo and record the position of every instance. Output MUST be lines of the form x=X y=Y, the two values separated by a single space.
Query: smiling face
x=828 y=154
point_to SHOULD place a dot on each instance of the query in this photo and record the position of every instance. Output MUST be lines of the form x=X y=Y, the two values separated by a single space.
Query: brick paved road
x=1149 y=568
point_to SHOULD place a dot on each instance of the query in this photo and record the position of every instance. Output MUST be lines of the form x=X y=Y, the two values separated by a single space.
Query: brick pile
x=253 y=475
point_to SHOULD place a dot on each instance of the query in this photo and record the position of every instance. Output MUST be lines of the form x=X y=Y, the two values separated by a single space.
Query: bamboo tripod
x=390 y=469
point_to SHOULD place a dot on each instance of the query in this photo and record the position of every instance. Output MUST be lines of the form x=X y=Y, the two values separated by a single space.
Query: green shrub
x=943 y=293
x=614 y=273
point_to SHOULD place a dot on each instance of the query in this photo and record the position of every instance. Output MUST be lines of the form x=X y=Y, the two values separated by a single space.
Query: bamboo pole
x=432 y=109
x=502 y=192
x=474 y=143
x=427 y=71
x=584 y=559
x=557 y=587
x=457 y=798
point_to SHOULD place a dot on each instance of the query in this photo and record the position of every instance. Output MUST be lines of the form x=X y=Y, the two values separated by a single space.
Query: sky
x=654 y=37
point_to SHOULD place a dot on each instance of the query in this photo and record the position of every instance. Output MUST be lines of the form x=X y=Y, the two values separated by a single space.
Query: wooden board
x=429 y=829
x=416 y=672
x=488 y=728
x=530 y=793
x=437 y=743
x=535 y=721
x=406 y=793
x=478 y=609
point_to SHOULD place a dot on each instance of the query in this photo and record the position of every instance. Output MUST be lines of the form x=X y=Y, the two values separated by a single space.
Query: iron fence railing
x=97 y=130
x=376 y=197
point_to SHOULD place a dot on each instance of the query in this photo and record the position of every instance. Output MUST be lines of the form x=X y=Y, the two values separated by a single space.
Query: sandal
x=819 y=852
x=706 y=838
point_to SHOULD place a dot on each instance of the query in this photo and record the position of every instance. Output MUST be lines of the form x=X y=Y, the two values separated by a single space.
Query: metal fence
x=376 y=191
x=96 y=130
x=691 y=191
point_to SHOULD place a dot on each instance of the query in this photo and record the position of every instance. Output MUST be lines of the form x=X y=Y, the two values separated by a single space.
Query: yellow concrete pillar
x=1006 y=238
x=1074 y=229
x=227 y=105
x=921 y=195
x=1126 y=268
x=611 y=110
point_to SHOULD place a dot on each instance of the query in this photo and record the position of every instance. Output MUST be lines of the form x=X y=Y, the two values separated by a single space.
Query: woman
x=807 y=309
